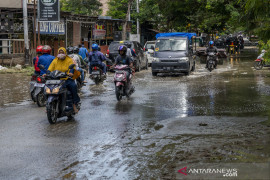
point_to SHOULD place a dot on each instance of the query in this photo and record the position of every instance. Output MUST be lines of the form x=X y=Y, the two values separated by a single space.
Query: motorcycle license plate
x=39 y=85
x=95 y=72
x=53 y=81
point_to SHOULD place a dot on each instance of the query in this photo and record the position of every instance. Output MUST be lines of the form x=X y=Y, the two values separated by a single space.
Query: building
x=72 y=30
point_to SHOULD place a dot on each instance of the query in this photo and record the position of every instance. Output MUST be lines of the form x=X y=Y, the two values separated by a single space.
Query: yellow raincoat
x=63 y=65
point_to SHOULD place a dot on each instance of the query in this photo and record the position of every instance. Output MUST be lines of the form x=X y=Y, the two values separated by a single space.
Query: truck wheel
x=154 y=73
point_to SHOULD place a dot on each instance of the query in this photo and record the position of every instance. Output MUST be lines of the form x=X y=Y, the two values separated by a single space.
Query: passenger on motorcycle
x=35 y=59
x=130 y=51
x=46 y=59
x=76 y=60
x=211 y=48
x=62 y=63
x=96 y=58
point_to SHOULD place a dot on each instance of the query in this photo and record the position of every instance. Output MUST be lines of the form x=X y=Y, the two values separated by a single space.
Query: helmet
x=211 y=43
x=76 y=49
x=70 y=50
x=94 y=47
x=128 y=44
x=263 y=51
x=122 y=48
x=39 y=49
x=46 y=49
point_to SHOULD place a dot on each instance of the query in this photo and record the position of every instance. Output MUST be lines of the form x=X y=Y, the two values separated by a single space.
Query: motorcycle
x=39 y=91
x=59 y=99
x=97 y=75
x=260 y=63
x=32 y=86
x=211 y=61
x=123 y=86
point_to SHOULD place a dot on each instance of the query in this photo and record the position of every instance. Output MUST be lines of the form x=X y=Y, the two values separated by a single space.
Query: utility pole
x=138 y=23
x=25 y=26
x=35 y=26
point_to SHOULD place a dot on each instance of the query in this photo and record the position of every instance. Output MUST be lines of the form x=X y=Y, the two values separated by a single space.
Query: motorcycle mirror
x=71 y=66
x=152 y=47
x=41 y=67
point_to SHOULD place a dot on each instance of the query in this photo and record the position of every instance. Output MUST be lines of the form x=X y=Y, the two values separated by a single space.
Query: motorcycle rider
x=96 y=58
x=83 y=52
x=46 y=59
x=261 y=55
x=62 y=63
x=124 y=59
x=211 y=48
x=35 y=59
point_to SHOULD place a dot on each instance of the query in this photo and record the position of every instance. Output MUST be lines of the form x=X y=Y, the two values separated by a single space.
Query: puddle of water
x=14 y=88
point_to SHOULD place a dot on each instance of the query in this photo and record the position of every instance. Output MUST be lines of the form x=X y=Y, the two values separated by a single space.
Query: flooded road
x=169 y=122
x=14 y=89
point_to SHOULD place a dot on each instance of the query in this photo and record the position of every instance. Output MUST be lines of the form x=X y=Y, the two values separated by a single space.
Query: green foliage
x=224 y=16
x=82 y=7
x=257 y=17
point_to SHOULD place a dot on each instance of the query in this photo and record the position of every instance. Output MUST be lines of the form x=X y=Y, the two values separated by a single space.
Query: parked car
x=140 y=59
x=149 y=52
x=173 y=54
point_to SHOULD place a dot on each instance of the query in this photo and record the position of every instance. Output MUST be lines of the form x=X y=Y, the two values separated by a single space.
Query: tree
x=82 y=7
x=120 y=9
x=257 y=17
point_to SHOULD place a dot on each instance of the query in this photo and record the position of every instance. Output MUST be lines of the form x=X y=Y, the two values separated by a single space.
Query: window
x=171 y=45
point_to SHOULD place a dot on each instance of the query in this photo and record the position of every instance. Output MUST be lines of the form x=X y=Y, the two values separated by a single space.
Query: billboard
x=49 y=10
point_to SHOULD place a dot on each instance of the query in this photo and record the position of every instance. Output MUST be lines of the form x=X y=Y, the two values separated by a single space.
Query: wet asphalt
x=171 y=120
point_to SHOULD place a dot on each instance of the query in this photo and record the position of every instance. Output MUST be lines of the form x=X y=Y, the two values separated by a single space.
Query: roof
x=176 y=34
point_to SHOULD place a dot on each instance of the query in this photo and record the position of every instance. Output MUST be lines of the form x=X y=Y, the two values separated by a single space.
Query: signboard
x=135 y=37
x=99 y=32
x=49 y=10
x=51 y=27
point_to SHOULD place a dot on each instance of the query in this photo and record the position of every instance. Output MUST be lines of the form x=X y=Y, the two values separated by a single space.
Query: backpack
x=95 y=58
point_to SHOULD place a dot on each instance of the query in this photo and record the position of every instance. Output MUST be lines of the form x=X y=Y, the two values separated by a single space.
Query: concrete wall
x=11 y=4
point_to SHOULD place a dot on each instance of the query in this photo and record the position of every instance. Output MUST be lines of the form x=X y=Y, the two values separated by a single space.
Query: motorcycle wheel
x=51 y=113
x=258 y=65
x=97 y=81
x=118 y=94
x=41 y=100
x=210 y=67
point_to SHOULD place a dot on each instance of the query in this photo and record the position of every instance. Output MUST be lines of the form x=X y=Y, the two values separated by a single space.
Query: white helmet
x=263 y=51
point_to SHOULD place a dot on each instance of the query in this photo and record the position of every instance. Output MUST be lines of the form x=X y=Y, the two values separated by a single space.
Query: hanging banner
x=49 y=10
x=52 y=27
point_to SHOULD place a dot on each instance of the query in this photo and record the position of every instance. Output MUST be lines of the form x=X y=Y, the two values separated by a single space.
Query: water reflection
x=14 y=88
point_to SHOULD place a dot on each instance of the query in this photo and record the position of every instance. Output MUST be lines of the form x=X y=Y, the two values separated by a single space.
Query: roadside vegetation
x=11 y=70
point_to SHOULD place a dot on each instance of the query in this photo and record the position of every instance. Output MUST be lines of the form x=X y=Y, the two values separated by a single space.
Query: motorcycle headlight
x=48 y=91
x=156 y=60
x=183 y=59
x=56 y=90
